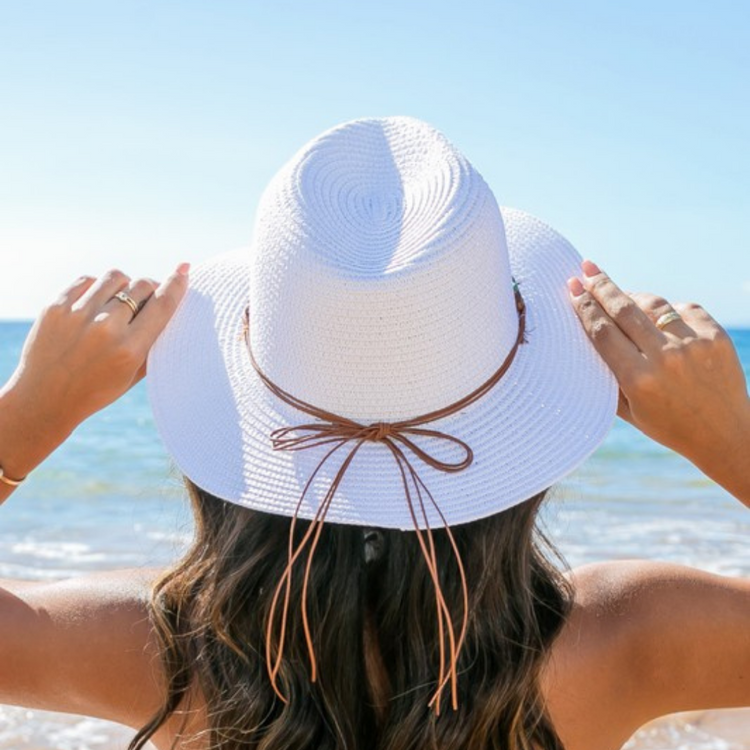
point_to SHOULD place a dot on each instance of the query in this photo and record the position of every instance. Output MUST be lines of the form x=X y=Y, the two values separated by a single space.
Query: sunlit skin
x=82 y=353
x=644 y=639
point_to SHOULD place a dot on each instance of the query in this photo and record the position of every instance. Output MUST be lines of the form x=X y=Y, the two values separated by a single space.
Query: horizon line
x=728 y=326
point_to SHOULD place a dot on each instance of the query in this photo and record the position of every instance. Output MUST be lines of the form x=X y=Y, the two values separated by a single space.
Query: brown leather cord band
x=340 y=430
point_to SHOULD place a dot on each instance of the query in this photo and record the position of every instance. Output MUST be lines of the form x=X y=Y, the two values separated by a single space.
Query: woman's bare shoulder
x=81 y=645
x=644 y=639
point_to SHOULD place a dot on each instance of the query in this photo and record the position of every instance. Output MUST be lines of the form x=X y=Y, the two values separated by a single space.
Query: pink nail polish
x=575 y=286
x=183 y=269
x=590 y=268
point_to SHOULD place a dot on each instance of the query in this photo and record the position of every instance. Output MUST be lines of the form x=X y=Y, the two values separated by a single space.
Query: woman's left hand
x=83 y=352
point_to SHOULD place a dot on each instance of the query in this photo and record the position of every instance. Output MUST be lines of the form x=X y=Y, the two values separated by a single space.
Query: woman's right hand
x=83 y=352
x=682 y=385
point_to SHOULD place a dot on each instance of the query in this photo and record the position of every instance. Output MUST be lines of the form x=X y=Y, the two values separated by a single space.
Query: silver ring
x=667 y=318
x=129 y=301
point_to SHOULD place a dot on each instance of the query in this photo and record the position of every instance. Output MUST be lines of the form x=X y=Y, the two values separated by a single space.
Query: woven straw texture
x=379 y=284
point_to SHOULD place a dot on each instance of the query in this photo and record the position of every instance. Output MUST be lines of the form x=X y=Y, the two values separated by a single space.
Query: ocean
x=109 y=498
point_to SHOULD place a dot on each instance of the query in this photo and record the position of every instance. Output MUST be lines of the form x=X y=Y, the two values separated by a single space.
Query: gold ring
x=5 y=479
x=129 y=301
x=667 y=318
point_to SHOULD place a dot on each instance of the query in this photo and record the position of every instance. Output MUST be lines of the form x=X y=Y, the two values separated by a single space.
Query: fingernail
x=183 y=269
x=590 y=268
x=575 y=286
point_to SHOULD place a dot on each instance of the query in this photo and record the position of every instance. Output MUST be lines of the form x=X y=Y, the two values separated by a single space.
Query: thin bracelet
x=5 y=479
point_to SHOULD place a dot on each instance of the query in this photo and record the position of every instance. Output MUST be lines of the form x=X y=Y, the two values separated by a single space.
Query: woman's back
x=643 y=639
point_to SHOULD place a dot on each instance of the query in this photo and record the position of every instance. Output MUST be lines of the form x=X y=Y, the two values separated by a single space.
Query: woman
x=456 y=634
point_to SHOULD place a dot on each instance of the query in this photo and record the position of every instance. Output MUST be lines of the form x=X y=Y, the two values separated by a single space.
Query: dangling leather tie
x=340 y=430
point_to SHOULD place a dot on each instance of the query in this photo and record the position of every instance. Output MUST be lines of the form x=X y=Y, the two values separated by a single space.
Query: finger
x=160 y=308
x=623 y=310
x=139 y=291
x=72 y=293
x=699 y=319
x=655 y=306
x=615 y=348
x=623 y=407
x=140 y=374
x=101 y=291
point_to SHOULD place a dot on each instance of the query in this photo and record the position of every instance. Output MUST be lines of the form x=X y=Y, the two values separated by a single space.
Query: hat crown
x=380 y=283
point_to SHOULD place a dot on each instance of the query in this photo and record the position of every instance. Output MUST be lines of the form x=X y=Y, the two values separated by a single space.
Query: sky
x=140 y=133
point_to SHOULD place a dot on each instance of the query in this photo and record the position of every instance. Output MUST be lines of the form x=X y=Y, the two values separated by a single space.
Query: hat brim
x=548 y=413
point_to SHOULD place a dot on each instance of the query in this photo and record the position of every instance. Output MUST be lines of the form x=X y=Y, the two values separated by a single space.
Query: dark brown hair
x=371 y=605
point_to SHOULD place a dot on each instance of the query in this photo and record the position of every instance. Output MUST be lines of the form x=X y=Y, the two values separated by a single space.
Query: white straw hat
x=380 y=287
